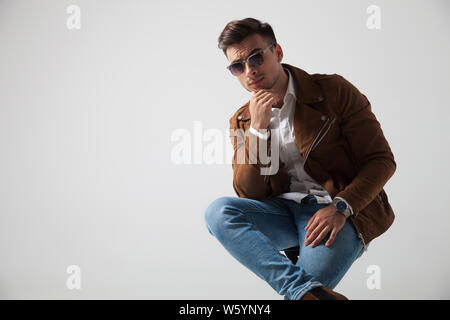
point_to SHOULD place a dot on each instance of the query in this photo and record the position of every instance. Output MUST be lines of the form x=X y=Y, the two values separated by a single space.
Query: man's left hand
x=324 y=221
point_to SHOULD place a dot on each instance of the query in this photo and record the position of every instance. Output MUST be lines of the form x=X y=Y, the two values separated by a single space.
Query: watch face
x=341 y=206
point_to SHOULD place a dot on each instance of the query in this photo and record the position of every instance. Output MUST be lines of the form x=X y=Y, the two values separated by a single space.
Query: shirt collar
x=291 y=87
x=289 y=95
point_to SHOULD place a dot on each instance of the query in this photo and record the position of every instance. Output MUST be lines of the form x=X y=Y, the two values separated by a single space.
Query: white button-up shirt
x=282 y=120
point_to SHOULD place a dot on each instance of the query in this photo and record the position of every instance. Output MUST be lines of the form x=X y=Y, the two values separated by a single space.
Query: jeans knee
x=215 y=214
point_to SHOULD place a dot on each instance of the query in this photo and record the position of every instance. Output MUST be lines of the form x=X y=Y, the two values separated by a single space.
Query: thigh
x=327 y=264
x=270 y=216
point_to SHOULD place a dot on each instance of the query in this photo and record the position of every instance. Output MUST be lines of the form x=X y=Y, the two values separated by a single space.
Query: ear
x=279 y=52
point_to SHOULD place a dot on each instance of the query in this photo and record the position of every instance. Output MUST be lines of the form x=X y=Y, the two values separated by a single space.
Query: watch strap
x=348 y=211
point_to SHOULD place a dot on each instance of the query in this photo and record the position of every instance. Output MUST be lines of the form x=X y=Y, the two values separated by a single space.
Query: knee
x=217 y=213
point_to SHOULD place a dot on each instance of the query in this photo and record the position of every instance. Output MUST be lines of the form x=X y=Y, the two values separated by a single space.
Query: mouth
x=256 y=82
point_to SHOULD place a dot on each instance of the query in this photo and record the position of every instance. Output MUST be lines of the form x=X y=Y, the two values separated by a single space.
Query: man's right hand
x=261 y=108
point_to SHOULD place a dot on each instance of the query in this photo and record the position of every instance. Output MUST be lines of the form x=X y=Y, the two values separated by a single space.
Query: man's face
x=269 y=71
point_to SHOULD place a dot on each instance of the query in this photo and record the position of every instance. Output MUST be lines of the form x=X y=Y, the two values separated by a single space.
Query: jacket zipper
x=314 y=143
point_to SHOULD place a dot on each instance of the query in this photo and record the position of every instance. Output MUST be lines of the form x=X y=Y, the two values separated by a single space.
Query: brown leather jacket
x=342 y=147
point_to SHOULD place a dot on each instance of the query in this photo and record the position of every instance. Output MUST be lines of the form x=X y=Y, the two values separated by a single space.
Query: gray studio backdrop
x=92 y=203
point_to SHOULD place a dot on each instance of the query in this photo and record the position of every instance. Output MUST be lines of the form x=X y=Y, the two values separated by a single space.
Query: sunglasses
x=255 y=60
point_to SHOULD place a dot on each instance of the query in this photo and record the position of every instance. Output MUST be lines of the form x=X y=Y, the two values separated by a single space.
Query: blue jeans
x=254 y=232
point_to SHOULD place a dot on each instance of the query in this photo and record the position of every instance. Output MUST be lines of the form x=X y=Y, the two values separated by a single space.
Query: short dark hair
x=237 y=30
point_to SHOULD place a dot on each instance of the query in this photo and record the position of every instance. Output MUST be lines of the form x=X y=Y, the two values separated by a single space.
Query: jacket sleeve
x=248 y=179
x=373 y=156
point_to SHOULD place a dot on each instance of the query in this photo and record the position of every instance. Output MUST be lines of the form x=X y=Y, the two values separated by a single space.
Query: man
x=326 y=199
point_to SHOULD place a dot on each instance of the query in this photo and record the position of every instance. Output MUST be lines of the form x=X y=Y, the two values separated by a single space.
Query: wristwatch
x=342 y=207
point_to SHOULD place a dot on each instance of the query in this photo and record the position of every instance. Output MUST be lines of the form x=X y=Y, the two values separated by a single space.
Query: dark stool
x=292 y=253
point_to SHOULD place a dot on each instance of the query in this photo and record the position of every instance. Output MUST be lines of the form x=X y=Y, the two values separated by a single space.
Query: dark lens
x=236 y=68
x=256 y=60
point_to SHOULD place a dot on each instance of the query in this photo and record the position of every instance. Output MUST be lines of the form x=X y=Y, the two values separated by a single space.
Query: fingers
x=313 y=232
x=332 y=237
x=318 y=232
x=260 y=92
x=260 y=109
x=322 y=223
x=323 y=232
x=266 y=99
x=257 y=94
x=270 y=101
x=310 y=222
x=263 y=95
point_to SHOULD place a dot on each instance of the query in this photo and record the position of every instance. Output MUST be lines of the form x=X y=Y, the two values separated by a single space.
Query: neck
x=280 y=88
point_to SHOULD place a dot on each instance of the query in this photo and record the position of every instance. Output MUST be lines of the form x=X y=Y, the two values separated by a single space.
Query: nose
x=249 y=70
